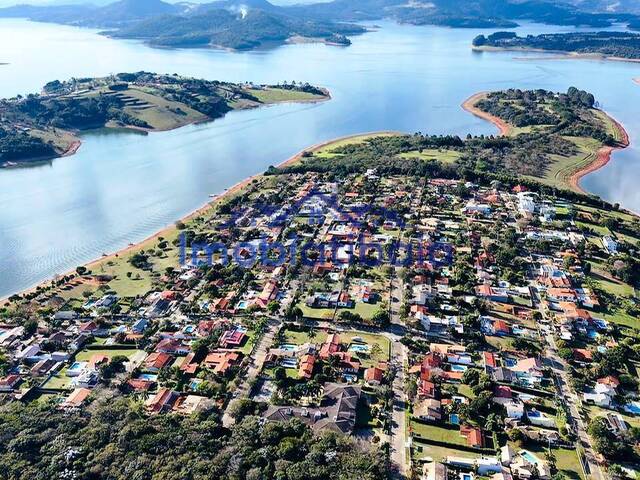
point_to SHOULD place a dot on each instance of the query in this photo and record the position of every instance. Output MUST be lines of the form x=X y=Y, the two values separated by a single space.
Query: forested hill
x=44 y=126
x=231 y=24
x=608 y=44
x=232 y=29
x=251 y=23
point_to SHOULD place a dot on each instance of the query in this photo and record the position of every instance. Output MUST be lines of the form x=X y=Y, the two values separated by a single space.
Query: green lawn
x=566 y=460
x=60 y=380
x=276 y=95
x=369 y=360
x=421 y=451
x=85 y=355
x=293 y=337
x=444 y=156
x=439 y=434
x=317 y=313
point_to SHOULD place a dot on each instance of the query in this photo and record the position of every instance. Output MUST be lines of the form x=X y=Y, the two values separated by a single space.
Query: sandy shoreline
x=470 y=106
x=229 y=192
x=603 y=157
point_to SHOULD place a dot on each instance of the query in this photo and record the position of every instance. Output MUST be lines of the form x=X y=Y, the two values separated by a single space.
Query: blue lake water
x=122 y=187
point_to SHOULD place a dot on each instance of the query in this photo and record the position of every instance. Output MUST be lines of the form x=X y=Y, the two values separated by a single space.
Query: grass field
x=278 y=95
x=444 y=156
x=436 y=433
x=421 y=451
x=369 y=360
x=300 y=338
x=85 y=355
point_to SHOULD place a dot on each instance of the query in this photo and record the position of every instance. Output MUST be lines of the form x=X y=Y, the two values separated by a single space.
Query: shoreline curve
x=236 y=188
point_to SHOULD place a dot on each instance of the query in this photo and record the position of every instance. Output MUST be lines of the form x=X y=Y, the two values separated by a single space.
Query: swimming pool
x=458 y=368
x=242 y=305
x=289 y=363
x=75 y=369
x=357 y=348
x=287 y=347
x=148 y=376
x=529 y=457
x=194 y=384
x=454 y=419
x=633 y=407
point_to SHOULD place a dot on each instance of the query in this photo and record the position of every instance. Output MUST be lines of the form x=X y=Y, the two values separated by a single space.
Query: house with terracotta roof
x=233 y=338
x=9 y=383
x=330 y=346
x=373 y=376
x=582 y=355
x=76 y=398
x=162 y=401
x=307 y=364
x=220 y=361
x=172 y=346
x=157 y=361
x=474 y=436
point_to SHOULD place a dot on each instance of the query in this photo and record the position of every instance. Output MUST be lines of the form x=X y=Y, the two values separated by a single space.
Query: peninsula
x=607 y=45
x=45 y=126
x=428 y=288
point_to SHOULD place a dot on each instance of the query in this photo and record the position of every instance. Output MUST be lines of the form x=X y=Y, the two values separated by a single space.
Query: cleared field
x=437 y=434
x=444 y=156
x=86 y=355
x=562 y=167
x=278 y=95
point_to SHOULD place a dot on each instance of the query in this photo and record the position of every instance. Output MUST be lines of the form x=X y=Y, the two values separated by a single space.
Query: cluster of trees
x=558 y=118
x=116 y=440
x=18 y=146
x=615 y=44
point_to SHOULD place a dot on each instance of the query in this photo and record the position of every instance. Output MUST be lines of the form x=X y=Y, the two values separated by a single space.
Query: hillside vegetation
x=43 y=126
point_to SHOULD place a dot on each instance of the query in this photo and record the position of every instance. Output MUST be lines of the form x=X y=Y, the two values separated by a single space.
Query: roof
x=221 y=361
x=337 y=411
x=76 y=398
x=157 y=360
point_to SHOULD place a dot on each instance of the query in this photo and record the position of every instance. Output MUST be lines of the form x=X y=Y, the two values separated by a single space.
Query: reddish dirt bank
x=470 y=106
x=603 y=157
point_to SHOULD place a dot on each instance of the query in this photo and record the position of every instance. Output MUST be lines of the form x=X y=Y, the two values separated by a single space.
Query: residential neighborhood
x=465 y=330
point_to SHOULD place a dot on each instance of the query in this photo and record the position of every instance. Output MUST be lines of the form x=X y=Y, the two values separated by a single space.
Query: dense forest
x=610 y=44
x=115 y=440
x=552 y=122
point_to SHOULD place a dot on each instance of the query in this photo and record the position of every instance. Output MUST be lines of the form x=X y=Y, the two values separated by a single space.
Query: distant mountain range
x=243 y=24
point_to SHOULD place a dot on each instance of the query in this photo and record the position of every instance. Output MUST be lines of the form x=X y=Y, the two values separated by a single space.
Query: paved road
x=560 y=368
x=255 y=367
x=399 y=356
x=561 y=371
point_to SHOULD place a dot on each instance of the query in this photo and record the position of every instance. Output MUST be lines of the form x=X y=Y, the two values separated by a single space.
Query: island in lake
x=611 y=45
x=45 y=126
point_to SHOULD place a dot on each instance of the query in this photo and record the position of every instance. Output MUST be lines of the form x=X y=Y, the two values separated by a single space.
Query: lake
x=121 y=187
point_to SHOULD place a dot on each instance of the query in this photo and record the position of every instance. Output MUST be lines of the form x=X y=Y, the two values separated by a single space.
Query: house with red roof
x=233 y=338
x=374 y=376
x=474 y=436
x=220 y=361
x=330 y=346
x=162 y=401
x=157 y=361
x=307 y=364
